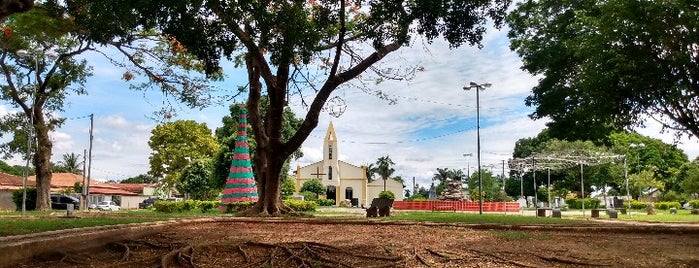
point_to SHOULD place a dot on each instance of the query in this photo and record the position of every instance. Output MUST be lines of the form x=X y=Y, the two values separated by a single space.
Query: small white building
x=342 y=180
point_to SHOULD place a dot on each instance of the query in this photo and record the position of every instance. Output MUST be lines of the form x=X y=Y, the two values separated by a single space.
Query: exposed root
x=421 y=259
x=569 y=261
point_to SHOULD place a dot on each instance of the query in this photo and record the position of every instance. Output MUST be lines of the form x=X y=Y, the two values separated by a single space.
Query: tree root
x=569 y=261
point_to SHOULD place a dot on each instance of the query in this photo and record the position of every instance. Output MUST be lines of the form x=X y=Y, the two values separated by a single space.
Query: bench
x=612 y=213
x=443 y=207
x=380 y=207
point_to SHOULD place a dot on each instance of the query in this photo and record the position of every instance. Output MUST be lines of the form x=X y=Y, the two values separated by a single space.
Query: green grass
x=682 y=215
x=19 y=226
x=475 y=218
x=519 y=235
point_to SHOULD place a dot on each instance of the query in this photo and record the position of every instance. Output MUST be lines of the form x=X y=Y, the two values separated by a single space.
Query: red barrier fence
x=456 y=205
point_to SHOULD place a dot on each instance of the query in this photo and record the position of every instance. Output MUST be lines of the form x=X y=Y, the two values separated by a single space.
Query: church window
x=330 y=152
x=330 y=173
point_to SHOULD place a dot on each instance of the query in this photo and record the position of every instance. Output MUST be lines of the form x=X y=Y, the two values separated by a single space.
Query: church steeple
x=330 y=145
x=330 y=154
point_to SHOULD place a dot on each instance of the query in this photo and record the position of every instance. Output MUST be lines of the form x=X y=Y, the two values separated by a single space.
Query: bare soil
x=294 y=244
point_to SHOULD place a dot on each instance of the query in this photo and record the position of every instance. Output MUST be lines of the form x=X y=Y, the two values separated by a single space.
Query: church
x=342 y=180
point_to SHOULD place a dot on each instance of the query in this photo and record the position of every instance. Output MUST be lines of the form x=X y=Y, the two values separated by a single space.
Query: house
x=9 y=183
x=129 y=195
x=342 y=180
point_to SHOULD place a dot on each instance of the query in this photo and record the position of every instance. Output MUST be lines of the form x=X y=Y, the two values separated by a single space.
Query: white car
x=107 y=205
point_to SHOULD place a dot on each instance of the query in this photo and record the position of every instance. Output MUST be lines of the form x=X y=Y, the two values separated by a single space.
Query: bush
x=167 y=206
x=576 y=203
x=190 y=204
x=31 y=199
x=694 y=203
x=387 y=194
x=238 y=206
x=667 y=205
x=207 y=206
x=314 y=185
x=301 y=205
x=325 y=202
x=309 y=196
x=635 y=204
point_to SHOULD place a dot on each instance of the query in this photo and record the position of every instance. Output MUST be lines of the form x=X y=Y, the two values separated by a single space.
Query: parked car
x=147 y=203
x=107 y=205
x=61 y=201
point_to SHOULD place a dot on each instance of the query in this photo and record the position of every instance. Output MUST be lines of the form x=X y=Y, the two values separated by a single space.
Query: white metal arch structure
x=566 y=160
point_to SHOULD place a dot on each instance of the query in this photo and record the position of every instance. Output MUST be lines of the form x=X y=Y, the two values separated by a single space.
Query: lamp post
x=25 y=54
x=478 y=88
x=468 y=167
x=638 y=161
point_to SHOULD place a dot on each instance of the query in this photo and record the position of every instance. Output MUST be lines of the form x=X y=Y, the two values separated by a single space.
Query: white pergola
x=566 y=160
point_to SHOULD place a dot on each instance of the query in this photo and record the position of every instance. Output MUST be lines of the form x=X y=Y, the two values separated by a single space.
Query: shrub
x=694 y=203
x=189 y=204
x=387 y=194
x=635 y=204
x=325 y=202
x=301 y=205
x=238 y=206
x=314 y=185
x=309 y=196
x=576 y=203
x=167 y=206
x=667 y=205
x=31 y=198
x=207 y=206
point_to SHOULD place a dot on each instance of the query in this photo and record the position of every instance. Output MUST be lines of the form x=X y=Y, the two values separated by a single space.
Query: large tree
x=9 y=7
x=606 y=65
x=177 y=144
x=291 y=49
x=37 y=85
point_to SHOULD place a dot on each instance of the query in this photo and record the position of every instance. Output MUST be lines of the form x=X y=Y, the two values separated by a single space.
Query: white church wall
x=375 y=187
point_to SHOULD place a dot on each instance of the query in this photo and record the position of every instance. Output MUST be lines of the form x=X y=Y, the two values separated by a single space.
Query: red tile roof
x=11 y=182
x=61 y=181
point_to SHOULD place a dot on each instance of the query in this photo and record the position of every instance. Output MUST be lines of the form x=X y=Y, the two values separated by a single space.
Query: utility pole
x=89 y=158
x=83 y=202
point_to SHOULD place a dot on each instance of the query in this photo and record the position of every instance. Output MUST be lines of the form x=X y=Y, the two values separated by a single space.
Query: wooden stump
x=372 y=212
x=385 y=212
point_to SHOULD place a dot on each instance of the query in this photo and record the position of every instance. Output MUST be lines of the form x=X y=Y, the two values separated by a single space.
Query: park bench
x=612 y=213
x=380 y=207
x=443 y=207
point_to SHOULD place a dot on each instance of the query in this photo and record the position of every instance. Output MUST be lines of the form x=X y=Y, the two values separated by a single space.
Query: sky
x=432 y=124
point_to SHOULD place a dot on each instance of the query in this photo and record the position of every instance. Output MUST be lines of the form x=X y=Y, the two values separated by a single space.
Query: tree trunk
x=42 y=163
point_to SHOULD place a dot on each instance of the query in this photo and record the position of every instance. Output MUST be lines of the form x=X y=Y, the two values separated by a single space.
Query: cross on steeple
x=318 y=174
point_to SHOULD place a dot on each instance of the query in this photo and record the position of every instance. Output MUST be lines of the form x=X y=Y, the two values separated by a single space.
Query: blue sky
x=431 y=126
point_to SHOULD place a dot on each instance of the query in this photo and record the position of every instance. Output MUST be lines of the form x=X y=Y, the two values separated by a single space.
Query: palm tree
x=384 y=168
x=71 y=163
x=442 y=175
x=370 y=172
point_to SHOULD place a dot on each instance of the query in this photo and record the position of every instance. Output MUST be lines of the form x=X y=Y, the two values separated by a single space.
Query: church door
x=348 y=193
x=330 y=193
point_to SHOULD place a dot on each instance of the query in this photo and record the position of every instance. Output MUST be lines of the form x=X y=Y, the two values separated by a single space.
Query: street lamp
x=25 y=54
x=638 y=161
x=468 y=167
x=478 y=88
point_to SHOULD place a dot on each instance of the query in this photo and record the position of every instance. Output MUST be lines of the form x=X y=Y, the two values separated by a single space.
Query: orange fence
x=456 y=205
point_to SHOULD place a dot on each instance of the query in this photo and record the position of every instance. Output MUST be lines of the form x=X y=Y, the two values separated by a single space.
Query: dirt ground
x=280 y=244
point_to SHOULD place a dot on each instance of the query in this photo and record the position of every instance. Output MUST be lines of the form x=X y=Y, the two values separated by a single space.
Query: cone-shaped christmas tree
x=240 y=185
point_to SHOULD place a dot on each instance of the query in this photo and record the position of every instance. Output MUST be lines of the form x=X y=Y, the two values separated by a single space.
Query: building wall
x=6 y=200
x=131 y=202
x=375 y=187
